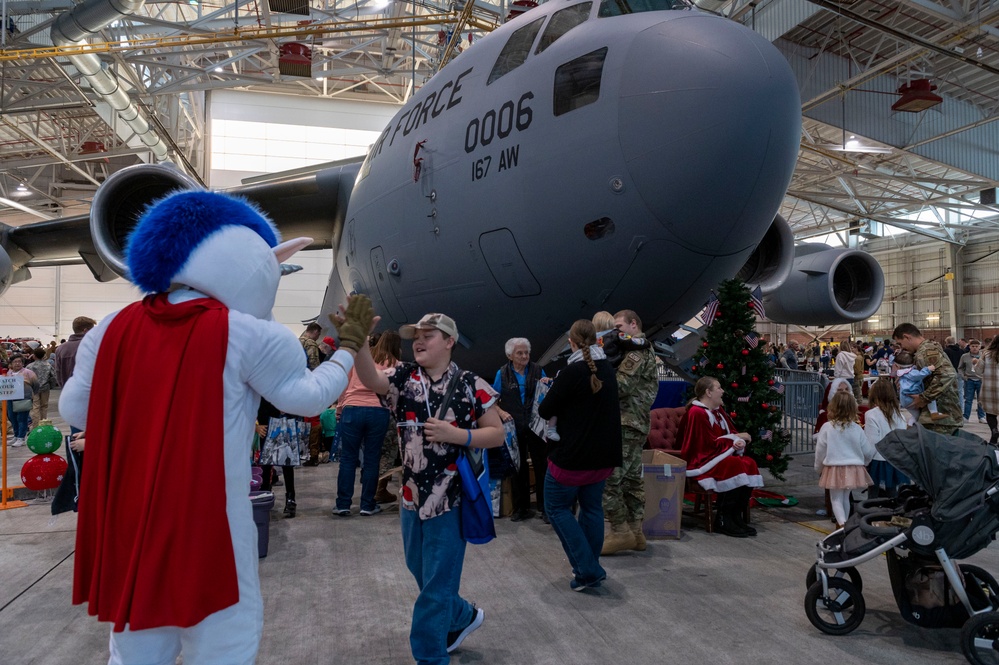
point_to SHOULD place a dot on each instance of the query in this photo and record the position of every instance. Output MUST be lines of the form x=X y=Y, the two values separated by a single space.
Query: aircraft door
x=383 y=282
x=507 y=265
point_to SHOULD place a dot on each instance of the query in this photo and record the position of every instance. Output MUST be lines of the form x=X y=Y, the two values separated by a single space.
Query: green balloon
x=44 y=439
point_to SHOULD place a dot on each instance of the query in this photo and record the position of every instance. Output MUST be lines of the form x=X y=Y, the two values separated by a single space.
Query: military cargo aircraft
x=587 y=155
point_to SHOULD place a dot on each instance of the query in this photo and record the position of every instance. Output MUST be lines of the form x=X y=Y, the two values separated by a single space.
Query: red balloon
x=43 y=472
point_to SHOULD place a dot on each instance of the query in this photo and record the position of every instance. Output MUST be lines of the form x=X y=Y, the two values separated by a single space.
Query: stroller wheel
x=837 y=612
x=980 y=639
x=850 y=572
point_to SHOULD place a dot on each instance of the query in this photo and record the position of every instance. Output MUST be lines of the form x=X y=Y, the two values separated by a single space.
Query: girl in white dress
x=842 y=453
x=884 y=416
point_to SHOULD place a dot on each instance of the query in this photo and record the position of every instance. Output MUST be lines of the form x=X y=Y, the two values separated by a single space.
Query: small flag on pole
x=756 y=298
x=779 y=387
x=708 y=315
x=704 y=361
x=767 y=435
x=752 y=339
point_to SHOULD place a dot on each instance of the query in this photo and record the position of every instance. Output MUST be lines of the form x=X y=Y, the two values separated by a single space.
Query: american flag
x=708 y=315
x=779 y=387
x=767 y=435
x=756 y=298
x=743 y=399
x=752 y=339
x=704 y=361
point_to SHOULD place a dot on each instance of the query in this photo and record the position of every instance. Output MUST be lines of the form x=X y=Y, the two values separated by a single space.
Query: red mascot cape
x=153 y=546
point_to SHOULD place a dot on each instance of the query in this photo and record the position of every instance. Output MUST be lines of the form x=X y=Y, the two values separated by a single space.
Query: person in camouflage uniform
x=624 y=493
x=941 y=385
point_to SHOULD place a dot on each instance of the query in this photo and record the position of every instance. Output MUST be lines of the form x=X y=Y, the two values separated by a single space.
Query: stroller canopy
x=954 y=470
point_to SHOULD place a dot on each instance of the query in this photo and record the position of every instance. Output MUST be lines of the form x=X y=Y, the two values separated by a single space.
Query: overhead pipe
x=72 y=28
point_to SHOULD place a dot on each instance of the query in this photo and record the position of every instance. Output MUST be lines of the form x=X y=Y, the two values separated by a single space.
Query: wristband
x=468 y=442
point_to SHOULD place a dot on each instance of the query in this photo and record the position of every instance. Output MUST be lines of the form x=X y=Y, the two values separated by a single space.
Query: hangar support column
x=955 y=289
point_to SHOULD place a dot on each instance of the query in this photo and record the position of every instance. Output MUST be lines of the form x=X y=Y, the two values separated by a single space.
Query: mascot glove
x=357 y=317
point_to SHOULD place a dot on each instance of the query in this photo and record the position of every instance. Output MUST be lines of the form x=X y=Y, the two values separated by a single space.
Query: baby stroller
x=951 y=512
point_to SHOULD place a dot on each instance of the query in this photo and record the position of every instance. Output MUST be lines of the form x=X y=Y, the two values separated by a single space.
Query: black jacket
x=589 y=424
x=954 y=352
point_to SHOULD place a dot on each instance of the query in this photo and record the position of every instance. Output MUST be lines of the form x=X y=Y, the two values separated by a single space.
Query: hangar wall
x=916 y=290
x=321 y=130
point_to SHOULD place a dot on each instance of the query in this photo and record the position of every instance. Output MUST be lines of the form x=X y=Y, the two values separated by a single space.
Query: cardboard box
x=665 y=478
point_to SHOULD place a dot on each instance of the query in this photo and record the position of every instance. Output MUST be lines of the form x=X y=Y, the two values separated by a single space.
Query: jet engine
x=770 y=263
x=122 y=199
x=7 y=272
x=827 y=286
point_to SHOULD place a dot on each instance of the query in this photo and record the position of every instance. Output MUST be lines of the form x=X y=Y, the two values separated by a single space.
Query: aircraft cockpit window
x=562 y=22
x=620 y=7
x=516 y=50
x=577 y=82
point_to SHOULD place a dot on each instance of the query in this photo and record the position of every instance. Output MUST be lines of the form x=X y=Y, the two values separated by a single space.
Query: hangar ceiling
x=920 y=172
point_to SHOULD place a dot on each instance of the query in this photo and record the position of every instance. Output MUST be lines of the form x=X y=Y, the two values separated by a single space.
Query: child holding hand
x=842 y=453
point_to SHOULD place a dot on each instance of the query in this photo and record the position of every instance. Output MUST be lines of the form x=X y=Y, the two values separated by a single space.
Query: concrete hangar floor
x=337 y=592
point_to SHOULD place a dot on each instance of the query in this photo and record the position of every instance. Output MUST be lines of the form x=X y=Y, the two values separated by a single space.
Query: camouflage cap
x=441 y=322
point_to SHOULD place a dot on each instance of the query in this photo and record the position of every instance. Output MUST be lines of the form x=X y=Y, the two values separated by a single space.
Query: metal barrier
x=802 y=396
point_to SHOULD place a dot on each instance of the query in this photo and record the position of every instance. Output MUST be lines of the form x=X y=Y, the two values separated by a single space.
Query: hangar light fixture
x=916 y=96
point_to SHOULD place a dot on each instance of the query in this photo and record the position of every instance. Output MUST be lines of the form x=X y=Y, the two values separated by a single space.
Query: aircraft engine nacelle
x=122 y=199
x=827 y=286
x=770 y=263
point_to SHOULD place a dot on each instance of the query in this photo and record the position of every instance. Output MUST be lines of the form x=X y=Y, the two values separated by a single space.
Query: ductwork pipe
x=72 y=29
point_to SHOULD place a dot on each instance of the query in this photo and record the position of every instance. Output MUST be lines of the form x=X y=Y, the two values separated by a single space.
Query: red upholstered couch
x=663 y=435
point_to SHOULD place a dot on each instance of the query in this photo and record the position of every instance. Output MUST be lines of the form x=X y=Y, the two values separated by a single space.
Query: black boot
x=740 y=500
x=724 y=522
x=289 y=508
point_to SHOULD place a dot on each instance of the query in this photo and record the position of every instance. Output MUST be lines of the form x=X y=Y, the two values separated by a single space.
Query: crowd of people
x=583 y=440
x=43 y=368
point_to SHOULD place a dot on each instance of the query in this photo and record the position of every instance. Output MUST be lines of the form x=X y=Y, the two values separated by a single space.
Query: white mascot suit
x=167 y=390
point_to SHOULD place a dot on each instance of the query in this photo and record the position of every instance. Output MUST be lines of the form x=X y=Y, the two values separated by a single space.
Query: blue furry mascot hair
x=170 y=229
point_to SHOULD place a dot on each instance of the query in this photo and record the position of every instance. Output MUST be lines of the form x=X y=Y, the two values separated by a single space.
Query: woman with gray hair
x=516 y=382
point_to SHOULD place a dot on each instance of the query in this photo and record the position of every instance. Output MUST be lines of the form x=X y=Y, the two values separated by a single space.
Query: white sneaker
x=982 y=421
x=17 y=443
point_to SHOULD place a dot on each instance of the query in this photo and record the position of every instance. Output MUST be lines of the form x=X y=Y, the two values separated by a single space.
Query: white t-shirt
x=877 y=426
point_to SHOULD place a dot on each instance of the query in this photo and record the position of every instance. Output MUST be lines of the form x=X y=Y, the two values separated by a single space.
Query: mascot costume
x=167 y=390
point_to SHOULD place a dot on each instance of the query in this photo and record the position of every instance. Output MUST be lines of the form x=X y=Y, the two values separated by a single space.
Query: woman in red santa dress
x=714 y=452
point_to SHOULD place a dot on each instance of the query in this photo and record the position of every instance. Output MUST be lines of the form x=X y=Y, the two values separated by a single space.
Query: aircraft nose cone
x=710 y=120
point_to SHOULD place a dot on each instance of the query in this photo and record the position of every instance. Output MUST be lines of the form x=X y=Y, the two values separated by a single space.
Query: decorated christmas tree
x=734 y=354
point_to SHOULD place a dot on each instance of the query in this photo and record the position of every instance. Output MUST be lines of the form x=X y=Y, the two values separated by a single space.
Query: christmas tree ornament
x=765 y=405
x=773 y=409
x=770 y=382
x=735 y=385
x=720 y=366
x=733 y=414
x=44 y=439
x=43 y=472
x=745 y=352
x=756 y=379
x=770 y=458
x=704 y=345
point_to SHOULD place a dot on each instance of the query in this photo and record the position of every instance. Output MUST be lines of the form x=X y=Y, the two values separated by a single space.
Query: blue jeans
x=435 y=553
x=972 y=390
x=361 y=428
x=19 y=421
x=582 y=536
